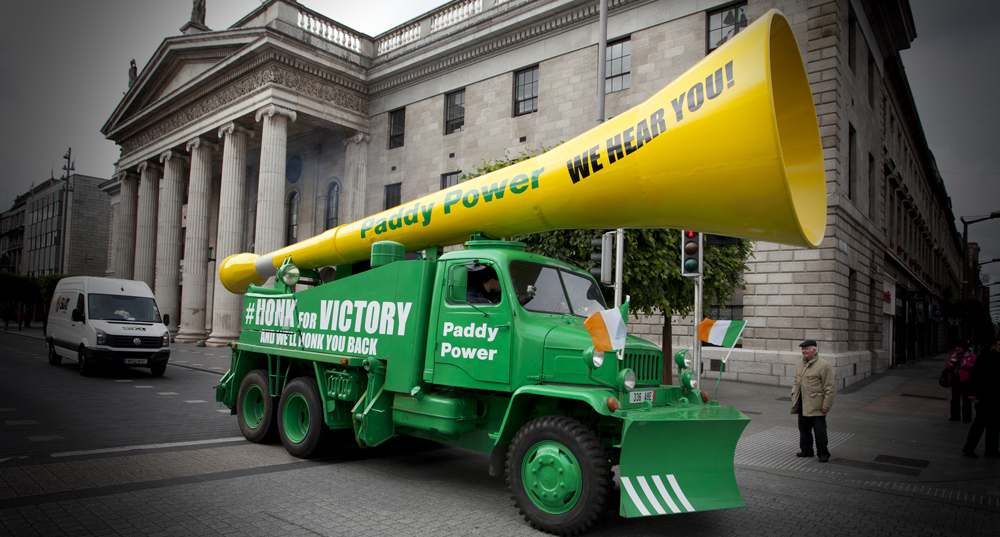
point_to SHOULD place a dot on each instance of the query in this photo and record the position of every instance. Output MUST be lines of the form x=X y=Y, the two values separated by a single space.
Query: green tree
x=651 y=272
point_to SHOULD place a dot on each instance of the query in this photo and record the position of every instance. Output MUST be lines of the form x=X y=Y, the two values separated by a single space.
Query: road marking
x=168 y=393
x=45 y=438
x=21 y=422
x=147 y=446
x=142 y=386
x=226 y=410
x=125 y=380
x=195 y=401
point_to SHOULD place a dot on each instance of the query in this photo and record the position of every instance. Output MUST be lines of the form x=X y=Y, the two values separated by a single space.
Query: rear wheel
x=255 y=408
x=559 y=475
x=300 y=418
x=54 y=359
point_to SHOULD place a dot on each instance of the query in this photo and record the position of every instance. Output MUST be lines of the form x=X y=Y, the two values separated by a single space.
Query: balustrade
x=329 y=31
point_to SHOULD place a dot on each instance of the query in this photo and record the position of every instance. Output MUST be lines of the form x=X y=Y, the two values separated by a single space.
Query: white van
x=107 y=321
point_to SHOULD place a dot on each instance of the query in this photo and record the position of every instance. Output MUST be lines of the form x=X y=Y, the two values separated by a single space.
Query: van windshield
x=123 y=308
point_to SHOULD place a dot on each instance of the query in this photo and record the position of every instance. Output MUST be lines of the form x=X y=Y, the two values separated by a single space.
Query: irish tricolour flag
x=722 y=333
x=607 y=328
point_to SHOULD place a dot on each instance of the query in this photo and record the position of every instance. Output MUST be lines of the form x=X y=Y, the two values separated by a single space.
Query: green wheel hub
x=296 y=418
x=551 y=477
x=253 y=406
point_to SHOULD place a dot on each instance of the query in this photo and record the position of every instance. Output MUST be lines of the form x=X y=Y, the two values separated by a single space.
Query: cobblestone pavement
x=130 y=460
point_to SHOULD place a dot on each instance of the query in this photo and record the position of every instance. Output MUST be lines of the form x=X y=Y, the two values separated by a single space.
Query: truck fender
x=521 y=404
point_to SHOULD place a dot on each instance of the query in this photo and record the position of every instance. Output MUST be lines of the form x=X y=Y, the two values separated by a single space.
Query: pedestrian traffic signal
x=691 y=253
x=603 y=249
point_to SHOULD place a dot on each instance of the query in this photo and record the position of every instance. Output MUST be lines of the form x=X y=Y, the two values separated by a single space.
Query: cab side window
x=483 y=286
x=80 y=303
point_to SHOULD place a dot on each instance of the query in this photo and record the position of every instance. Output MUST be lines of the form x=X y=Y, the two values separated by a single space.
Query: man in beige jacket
x=812 y=398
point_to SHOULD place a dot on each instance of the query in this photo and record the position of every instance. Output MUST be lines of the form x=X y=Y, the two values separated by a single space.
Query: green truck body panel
x=399 y=349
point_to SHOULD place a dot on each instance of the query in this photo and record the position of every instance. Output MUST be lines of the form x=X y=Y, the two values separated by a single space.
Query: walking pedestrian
x=960 y=364
x=19 y=317
x=984 y=390
x=812 y=397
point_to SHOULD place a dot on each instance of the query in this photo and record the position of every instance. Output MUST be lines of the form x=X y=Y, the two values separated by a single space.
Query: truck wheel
x=158 y=370
x=300 y=418
x=255 y=410
x=86 y=368
x=54 y=359
x=559 y=475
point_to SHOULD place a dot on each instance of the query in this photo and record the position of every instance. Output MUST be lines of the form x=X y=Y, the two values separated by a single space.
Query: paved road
x=127 y=454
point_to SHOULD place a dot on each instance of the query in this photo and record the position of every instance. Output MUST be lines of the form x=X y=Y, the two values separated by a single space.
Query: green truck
x=419 y=347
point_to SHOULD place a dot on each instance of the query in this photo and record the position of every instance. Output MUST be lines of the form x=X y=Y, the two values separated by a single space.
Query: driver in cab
x=483 y=287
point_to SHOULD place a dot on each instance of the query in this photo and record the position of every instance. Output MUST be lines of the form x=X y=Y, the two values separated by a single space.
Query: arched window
x=292 y=223
x=332 y=205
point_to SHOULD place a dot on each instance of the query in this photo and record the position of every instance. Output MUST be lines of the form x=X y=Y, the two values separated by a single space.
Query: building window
x=852 y=38
x=618 y=67
x=526 y=91
x=454 y=111
x=871 y=79
x=397 y=123
x=873 y=188
x=852 y=142
x=332 y=205
x=292 y=222
x=392 y=195
x=449 y=179
x=724 y=24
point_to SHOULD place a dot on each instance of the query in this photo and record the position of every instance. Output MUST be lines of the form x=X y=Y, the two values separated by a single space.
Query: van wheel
x=86 y=368
x=559 y=475
x=54 y=359
x=255 y=408
x=157 y=370
x=300 y=418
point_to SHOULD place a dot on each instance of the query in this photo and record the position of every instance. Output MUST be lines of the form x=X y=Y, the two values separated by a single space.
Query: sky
x=65 y=65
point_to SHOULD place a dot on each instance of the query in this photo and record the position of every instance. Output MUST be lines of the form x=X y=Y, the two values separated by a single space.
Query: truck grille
x=128 y=342
x=646 y=364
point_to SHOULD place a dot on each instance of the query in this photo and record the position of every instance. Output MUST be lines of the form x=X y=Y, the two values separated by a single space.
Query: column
x=213 y=231
x=355 y=176
x=124 y=232
x=227 y=308
x=168 y=238
x=145 y=227
x=270 y=227
x=192 y=325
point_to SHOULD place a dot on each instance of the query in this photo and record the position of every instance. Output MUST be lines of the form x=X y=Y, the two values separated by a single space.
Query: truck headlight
x=166 y=339
x=682 y=360
x=598 y=359
x=102 y=338
x=627 y=379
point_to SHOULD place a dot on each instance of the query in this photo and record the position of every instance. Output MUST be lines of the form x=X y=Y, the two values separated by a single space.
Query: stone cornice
x=273 y=74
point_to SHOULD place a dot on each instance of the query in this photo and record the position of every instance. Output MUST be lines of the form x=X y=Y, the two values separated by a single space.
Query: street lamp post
x=965 y=248
x=69 y=167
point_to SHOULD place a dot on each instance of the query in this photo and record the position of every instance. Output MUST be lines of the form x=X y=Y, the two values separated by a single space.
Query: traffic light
x=603 y=249
x=691 y=253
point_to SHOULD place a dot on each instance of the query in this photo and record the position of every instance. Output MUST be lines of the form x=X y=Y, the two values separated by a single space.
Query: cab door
x=472 y=338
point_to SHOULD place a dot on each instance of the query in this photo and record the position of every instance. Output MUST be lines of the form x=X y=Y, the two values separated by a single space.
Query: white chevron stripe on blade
x=634 y=496
x=680 y=493
x=666 y=496
x=650 y=496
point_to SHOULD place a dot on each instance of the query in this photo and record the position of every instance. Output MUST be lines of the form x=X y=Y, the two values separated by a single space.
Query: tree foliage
x=651 y=273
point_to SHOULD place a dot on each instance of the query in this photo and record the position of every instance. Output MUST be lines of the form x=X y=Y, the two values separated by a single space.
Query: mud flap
x=680 y=460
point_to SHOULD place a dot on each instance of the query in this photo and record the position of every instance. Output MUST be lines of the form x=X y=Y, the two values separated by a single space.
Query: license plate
x=135 y=361
x=641 y=395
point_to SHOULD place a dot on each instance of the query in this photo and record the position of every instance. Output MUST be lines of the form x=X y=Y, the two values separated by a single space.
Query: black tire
x=54 y=358
x=300 y=418
x=158 y=370
x=561 y=436
x=86 y=368
x=260 y=425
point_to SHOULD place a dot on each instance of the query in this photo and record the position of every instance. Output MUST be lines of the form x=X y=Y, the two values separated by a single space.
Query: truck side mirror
x=458 y=283
x=78 y=315
x=166 y=319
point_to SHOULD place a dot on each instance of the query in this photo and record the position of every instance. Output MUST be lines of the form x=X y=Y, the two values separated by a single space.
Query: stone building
x=289 y=123
x=57 y=227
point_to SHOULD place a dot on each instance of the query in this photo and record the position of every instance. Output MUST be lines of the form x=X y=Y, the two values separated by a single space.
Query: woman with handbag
x=960 y=364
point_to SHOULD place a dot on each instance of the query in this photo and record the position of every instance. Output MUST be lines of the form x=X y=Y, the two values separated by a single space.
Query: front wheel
x=559 y=475
x=86 y=368
x=255 y=408
x=54 y=358
x=300 y=418
x=157 y=370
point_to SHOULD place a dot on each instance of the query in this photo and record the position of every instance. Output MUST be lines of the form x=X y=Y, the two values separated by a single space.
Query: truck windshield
x=550 y=290
x=123 y=308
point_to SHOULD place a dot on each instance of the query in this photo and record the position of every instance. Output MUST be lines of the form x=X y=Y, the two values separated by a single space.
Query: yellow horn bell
x=731 y=147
